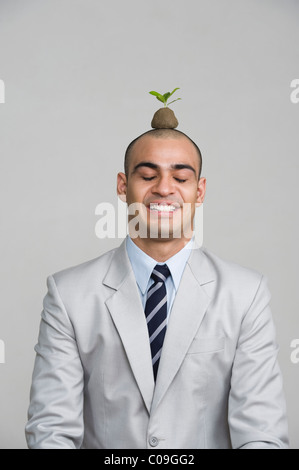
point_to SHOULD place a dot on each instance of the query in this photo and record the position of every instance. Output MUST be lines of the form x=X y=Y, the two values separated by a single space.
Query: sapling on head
x=164 y=118
x=164 y=98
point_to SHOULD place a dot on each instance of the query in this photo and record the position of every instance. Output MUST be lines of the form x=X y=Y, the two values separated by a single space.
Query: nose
x=164 y=185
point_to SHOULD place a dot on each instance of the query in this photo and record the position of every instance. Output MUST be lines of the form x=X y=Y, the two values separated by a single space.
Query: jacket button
x=153 y=441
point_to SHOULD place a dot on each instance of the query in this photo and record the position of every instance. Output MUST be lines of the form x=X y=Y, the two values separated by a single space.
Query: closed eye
x=148 y=178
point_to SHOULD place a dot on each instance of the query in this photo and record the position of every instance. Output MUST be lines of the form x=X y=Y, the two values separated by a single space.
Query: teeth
x=162 y=207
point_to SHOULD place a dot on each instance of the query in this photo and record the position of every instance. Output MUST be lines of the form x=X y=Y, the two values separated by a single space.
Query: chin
x=165 y=231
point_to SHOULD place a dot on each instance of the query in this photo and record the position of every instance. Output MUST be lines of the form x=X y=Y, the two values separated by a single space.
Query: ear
x=201 y=191
x=122 y=186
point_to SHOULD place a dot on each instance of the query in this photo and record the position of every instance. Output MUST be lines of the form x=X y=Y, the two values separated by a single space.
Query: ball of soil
x=164 y=118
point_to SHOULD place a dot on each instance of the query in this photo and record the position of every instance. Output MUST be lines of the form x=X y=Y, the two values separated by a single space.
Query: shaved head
x=159 y=134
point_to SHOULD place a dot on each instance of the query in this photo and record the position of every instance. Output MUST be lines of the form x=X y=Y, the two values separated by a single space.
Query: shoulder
x=89 y=273
x=229 y=268
x=238 y=290
x=235 y=279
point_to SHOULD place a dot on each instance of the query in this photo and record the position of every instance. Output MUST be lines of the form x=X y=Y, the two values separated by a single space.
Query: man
x=159 y=343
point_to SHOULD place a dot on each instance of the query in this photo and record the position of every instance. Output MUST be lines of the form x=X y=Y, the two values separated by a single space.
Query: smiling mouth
x=165 y=208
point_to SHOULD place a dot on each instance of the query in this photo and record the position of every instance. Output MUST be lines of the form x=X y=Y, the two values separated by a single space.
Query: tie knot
x=160 y=273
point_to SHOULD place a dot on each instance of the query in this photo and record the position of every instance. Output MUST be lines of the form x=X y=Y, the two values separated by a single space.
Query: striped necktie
x=156 y=313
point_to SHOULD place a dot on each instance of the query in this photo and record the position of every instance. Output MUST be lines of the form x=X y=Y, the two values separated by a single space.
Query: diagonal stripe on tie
x=160 y=328
x=153 y=289
x=156 y=309
x=160 y=275
x=156 y=357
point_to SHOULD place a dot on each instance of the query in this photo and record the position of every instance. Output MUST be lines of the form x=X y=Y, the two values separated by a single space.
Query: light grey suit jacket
x=218 y=385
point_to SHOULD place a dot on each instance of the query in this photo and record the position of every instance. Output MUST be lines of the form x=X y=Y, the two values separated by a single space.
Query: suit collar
x=119 y=268
x=201 y=266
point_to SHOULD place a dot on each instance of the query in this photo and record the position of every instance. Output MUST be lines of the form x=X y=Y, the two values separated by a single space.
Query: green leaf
x=173 y=91
x=174 y=101
x=158 y=96
x=166 y=96
x=161 y=99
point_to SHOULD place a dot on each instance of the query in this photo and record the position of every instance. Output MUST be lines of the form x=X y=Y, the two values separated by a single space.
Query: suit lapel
x=188 y=311
x=126 y=310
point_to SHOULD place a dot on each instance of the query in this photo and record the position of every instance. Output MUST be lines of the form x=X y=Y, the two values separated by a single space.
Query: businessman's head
x=160 y=134
x=162 y=176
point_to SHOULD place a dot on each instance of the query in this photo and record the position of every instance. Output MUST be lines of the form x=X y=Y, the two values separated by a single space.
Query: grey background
x=77 y=76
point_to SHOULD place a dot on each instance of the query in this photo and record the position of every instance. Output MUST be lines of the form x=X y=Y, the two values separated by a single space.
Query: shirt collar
x=143 y=264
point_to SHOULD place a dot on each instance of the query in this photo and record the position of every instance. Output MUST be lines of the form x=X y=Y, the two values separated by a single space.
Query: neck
x=160 y=249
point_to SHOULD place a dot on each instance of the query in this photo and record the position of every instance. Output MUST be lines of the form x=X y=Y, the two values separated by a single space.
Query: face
x=163 y=184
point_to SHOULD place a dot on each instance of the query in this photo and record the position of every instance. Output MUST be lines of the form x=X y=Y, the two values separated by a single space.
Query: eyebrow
x=154 y=166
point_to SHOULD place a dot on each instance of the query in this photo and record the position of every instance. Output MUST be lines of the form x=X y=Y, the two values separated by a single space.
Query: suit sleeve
x=55 y=415
x=257 y=412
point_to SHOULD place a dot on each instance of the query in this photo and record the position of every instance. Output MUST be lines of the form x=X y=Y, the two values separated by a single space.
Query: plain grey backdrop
x=77 y=75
